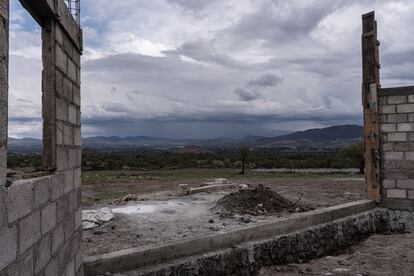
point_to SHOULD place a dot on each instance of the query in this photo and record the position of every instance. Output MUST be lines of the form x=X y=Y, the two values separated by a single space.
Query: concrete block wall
x=40 y=218
x=396 y=123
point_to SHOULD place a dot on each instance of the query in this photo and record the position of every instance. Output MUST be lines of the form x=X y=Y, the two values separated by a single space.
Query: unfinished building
x=40 y=218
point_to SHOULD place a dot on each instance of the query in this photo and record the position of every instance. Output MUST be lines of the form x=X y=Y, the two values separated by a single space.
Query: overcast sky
x=203 y=69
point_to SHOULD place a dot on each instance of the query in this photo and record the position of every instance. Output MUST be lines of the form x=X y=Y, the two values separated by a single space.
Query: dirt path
x=379 y=255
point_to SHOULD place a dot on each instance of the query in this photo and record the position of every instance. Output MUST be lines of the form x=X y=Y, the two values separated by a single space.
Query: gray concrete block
x=29 y=231
x=392 y=155
x=67 y=135
x=78 y=219
x=67 y=89
x=405 y=108
x=61 y=109
x=77 y=140
x=61 y=158
x=387 y=109
x=411 y=194
x=409 y=155
x=395 y=175
x=57 y=186
x=72 y=71
x=8 y=246
x=49 y=218
x=19 y=199
x=69 y=181
x=62 y=208
x=73 y=158
x=406 y=127
x=397 y=137
x=77 y=178
x=73 y=200
x=69 y=226
x=41 y=191
x=61 y=60
x=58 y=238
x=23 y=266
x=59 y=35
x=388 y=127
x=59 y=134
x=42 y=254
x=52 y=269
x=397 y=99
x=72 y=114
x=396 y=118
x=70 y=269
x=405 y=184
x=389 y=183
x=396 y=193
x=401 y=146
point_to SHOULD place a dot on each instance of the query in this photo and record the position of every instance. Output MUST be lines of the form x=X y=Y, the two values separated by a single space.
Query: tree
x=244 y=154
x=355 y=153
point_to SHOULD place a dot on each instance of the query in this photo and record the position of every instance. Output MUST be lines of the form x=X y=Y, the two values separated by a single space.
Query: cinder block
x=410 y=136
x=23 y=266
x=58 y=238
x=78 y=219
x=405 y=184
x=73 y=114
x=59 y=82
x=8 y=246
x=62 y=207
x=76 y=95
x=397 y=137
x=61 y=60
x=397 y=99
x=387 y=109
x=401 y=146
x=67 y=135
x=49 y=218
x=42 y=253
x=78 y=260
x=19 y=199
x=70 y=269
x=69 y=226
x=77 y=178
x=411 y=98
x=73 y=200
x=392 y=155
x=395 y=175
x=52 y=269
x=77 y=140
x=411 y=117
x=388 y=127
x=409 y=155
x=406 y=127
x=396 y=118
x=72 y=70
x=62 y=158
x=67 y=89
x=396 y=193
x=405 y=108
x=59 y=133
x=69 y=181
x=61 y=109
x=73 y=158
x=59 y=35
x=41 y=191
x=57 y=186
x=29 y=231
x=411 y=194
x=388 y=183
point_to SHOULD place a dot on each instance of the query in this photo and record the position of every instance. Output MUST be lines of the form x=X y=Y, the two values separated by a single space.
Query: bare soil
x=379 y=255
x=160 y=215
x=256 y=202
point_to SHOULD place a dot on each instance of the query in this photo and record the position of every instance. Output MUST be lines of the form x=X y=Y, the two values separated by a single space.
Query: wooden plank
x=370 y=88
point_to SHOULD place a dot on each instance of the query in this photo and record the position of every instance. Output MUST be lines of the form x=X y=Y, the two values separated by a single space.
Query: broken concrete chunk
x=94 y=218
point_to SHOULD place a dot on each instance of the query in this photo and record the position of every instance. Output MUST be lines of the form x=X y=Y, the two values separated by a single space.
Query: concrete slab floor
x=169 y=219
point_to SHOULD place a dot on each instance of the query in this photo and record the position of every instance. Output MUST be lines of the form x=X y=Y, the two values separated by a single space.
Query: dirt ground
x=379 y=255
x=161 y=216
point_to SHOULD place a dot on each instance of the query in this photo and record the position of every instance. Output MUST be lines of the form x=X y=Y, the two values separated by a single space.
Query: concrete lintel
x=395 y=91
x=149 y=255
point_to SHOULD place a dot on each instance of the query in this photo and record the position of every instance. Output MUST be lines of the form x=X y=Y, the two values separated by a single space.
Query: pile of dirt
x=256 y=202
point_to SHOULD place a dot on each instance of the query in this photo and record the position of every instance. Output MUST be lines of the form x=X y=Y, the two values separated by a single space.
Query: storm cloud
x=181 y=68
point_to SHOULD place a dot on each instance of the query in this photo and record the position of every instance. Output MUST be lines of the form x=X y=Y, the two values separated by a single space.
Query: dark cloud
x=247 y=95
x=266 y=80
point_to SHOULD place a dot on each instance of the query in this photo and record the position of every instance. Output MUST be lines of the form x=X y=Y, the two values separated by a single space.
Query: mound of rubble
x=256 y=202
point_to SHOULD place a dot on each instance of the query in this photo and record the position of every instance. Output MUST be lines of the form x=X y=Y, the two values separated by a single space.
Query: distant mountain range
x=313 y=139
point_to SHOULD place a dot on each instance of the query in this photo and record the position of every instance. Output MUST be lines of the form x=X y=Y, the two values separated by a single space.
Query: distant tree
x=355 y=153
x=244 y=154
